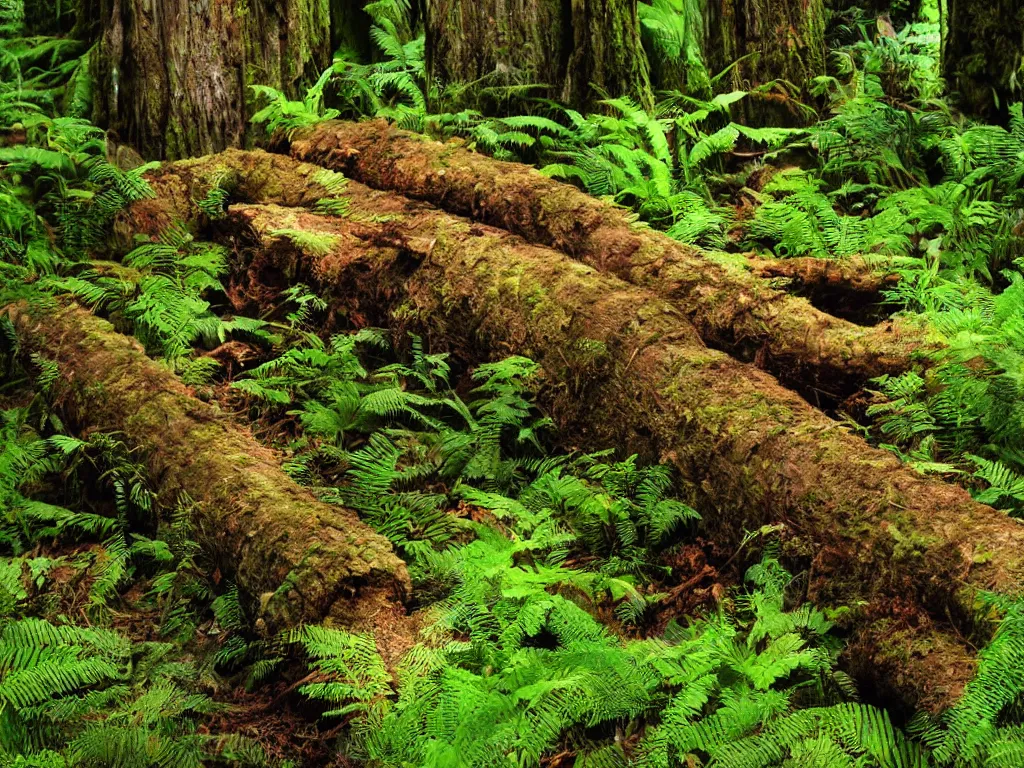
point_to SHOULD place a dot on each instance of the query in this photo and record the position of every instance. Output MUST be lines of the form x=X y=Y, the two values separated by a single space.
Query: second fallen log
x=731 y=308
x=297 y=559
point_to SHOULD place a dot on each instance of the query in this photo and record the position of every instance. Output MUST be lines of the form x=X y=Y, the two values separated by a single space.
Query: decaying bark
x=296 y=558
x=852 y=289
x=855 y=275
x=624 y=368
x=731 y=309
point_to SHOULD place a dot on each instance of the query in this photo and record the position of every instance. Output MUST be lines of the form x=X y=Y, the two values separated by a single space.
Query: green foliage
x=61 y=197
x=75 y=696
x=282 y=115
x=165 y=307
x=675 y=29
x=516 y=672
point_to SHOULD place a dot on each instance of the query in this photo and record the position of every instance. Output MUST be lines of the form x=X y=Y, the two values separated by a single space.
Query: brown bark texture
x=850 y=288
x=173 y=76
x=297 y=559
x=730 y=308
x=773 y=40
x=624 y=368
x=856 y=275
x=582 y=50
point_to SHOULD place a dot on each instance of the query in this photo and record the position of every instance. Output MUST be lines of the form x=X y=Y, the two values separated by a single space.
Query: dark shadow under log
x=624 y=368
x=296 y=558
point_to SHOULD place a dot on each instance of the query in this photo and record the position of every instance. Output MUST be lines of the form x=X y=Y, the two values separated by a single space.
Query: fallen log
x=731 y=309
x=624 y=368
x=852 y=289
x=296 y=558
x=243 y=176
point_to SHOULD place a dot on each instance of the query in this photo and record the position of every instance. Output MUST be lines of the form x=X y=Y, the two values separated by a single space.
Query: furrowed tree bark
x=173 y=77
x=852 y=289
x=296 y=558
x=776 y=40
x=853 y=274
x=582 y=50
x=982 y=52
x=624 y=368
x=731 y=309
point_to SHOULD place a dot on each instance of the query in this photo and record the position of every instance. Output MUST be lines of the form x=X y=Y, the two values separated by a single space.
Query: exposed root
x=299 y=559
x=624 y=368
x=731 y=309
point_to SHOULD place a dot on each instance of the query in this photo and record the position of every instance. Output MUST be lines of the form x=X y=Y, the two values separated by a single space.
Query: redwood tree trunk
x=581 y=49
x=776 y=40
x=173 y=76
x=982 y=48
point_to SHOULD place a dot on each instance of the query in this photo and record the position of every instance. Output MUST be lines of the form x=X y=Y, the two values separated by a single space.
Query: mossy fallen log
x=907 y=553
x=183 y=188
x=730 y=308
x=297 y=559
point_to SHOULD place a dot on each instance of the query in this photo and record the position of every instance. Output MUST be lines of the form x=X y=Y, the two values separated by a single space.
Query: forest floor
x=372 y=449
x=638 y=343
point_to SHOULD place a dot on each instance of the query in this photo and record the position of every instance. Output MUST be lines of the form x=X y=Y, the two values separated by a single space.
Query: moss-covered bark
x=853 y=289
x=624 y=368
x=983 y=53
x=731 y=309
x=582 y=50
x=298 y=559
x=855 y=275
x=247 y=175
x=173 y=77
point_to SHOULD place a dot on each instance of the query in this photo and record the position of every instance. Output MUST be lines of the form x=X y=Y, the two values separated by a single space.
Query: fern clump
x=166 y=308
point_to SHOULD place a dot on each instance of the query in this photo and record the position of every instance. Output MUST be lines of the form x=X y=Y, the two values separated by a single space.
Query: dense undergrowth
x=544 y=581
x=539 y=579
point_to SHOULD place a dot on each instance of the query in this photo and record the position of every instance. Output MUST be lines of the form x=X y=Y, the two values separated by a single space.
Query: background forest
x=670 y=413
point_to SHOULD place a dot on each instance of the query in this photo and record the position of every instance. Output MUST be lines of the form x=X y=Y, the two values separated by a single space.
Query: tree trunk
x=296 y=558
x=173 y=76
x=776 y=40
x=982 y=50
x=583 y=50
x=810 y=350
x=623 y=368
